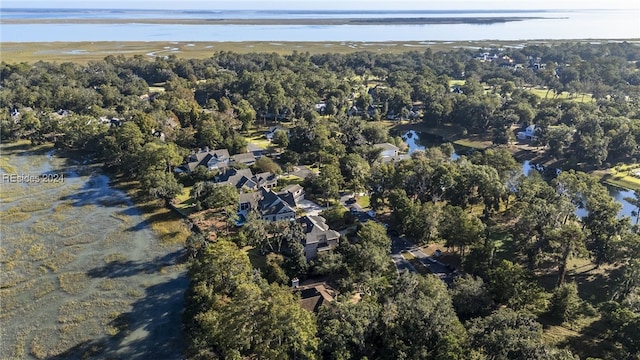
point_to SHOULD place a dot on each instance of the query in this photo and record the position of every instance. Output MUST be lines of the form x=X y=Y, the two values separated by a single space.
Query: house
x=320 y=108
x=238 y=178
x=388 y=150
x=528 y=134
x=245 y=158
x=292 y=194
x=266 y=180
x=272 y=131
x=318 y=237
x=268 y=204
x=212 y=160
x=313 y=295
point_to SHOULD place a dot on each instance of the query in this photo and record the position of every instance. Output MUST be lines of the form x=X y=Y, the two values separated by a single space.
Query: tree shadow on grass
x=118 y=269
x=592 y=342
x=151 y=330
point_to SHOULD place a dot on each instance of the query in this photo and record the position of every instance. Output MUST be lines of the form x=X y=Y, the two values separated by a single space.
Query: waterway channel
x=419 y=141
x=83 y=275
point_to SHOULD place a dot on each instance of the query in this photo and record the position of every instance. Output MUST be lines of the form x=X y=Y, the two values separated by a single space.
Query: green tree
x=515 y=287
x=460 y=229
x=470 y=297
x=281 y=138
x=510 y=335
x=565 y=302
x=161 y=185
x=566 y=241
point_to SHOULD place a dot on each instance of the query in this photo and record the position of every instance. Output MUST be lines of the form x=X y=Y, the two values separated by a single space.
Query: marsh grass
x=44 y=227
x=48 y=303
x=30 y=205
x=38 y=252
x=115 y=257
x=6 y=166
x=14 y=215
x=73 y=283
x=44 y=289
x=114 y=238
x=120 y=215
x=59 y=260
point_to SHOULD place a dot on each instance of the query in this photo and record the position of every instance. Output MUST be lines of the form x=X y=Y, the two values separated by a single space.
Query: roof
x=266 y=178
x=251 y=147
x=238 y=178
x=312 y=296
x=203 y=157
x=386 y=146
x=251 y=198
x=271 y=204
x=244 y=158
x=317 y=225
x=292 y=188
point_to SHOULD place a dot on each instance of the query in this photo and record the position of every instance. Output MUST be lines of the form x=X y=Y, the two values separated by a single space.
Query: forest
x=535 y=280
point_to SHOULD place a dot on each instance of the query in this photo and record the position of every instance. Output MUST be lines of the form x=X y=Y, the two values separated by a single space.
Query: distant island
x=303 y=21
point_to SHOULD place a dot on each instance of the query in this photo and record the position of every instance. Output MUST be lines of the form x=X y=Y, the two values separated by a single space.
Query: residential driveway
x=310 y=207
x=301 y=171
x=398 y=245
x=444 y=272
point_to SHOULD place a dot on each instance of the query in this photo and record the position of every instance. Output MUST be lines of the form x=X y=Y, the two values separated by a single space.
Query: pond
x=83 y=274
x=419 y=141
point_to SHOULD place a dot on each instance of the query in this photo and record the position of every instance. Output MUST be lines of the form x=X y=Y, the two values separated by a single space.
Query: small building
x=272 y=131
x=319 y=237
x=388 y=150
x=528 y=134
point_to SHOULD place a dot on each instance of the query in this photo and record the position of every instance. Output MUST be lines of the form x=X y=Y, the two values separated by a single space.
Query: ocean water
x=556 y=25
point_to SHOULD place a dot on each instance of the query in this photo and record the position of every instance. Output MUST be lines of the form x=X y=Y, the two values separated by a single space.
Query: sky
x=326 y=4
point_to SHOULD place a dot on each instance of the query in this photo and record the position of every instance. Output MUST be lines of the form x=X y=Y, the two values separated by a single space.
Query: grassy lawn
x=364 y=201
x=257 y=137
x=620 y=176
x=257 y=260
x=579 y=97
x=407 y=255
x=418 y=265
x=286 y=180
x=166 y=224
x=453 y=83
x=184 y=203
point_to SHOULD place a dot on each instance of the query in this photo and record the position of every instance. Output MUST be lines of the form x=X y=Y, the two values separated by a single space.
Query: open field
x=551 y=94
x=83 y=52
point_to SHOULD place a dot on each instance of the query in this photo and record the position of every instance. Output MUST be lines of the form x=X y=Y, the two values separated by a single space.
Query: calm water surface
x=420 y=141
x=605 y=24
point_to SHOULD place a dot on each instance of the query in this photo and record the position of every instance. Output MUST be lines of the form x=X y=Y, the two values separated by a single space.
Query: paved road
x=400 y=244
